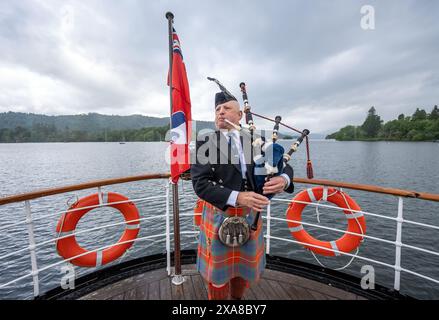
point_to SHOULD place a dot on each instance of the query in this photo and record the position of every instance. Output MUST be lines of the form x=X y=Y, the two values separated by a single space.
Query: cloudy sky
x=309 y=61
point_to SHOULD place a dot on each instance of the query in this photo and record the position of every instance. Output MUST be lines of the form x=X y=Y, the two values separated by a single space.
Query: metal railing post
x=398 y=244
x=168 y=232
x=33 y=256
x=267 y=248
x=178 y=278
x=101 y=201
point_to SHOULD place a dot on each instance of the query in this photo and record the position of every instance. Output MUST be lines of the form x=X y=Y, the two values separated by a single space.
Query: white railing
x=397 y=243
x=35 y=270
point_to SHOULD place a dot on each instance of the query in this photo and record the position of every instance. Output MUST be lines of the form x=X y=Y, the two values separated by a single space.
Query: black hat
x=223 y=97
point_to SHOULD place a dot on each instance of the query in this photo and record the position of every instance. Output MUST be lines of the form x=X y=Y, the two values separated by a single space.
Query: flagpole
x=177 y=279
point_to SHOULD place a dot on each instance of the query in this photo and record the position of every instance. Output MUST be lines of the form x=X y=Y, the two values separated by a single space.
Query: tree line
x=49 y=133
x=421 y=126
x=82 y=122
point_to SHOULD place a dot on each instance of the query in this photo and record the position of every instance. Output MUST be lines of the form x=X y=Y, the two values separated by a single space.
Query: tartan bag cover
x=218 y=263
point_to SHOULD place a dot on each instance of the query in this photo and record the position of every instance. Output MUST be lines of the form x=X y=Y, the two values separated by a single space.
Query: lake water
x=404 y=165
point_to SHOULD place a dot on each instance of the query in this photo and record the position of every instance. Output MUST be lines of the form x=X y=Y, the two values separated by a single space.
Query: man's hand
x=252 y=200
x=274 y=185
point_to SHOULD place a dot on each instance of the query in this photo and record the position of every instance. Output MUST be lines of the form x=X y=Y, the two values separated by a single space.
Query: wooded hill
x=16 y=127
x=29 y=127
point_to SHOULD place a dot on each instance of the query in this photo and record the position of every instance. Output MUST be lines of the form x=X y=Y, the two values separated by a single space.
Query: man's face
x=230 y=111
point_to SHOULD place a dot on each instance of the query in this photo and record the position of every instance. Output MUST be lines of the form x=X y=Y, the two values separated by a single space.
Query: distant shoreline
x=380 y=140
x=70 y=142
x=127 y=142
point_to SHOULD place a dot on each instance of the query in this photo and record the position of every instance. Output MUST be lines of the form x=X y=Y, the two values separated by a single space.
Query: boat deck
x=274 y=285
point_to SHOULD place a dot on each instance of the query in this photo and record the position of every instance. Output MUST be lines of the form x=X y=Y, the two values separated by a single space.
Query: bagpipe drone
x=270 y=157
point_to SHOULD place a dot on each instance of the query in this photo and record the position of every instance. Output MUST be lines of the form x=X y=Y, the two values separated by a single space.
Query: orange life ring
x=198 y=211
x=68 y=247
x=356 y=221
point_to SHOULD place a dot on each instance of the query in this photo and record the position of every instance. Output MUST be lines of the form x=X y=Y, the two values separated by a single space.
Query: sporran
x=234 y=231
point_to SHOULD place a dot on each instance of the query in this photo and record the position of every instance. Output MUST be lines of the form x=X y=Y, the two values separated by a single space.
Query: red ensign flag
x=181 y=117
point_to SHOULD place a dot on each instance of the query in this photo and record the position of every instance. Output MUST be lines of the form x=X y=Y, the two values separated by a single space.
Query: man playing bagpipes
x=231 y=254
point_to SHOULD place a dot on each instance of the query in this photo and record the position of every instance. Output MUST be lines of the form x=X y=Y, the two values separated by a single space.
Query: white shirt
x=237 y=142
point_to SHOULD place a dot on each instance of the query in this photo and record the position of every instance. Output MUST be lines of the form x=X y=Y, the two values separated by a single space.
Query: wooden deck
x=274 y=285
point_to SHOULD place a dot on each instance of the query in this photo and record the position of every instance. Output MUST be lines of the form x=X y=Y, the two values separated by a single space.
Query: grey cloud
x=300 y=59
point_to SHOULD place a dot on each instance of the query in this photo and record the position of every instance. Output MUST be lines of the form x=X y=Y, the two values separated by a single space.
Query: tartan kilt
x=218 y=263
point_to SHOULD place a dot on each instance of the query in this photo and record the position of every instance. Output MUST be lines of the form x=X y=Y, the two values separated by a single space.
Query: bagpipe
x=270 y=158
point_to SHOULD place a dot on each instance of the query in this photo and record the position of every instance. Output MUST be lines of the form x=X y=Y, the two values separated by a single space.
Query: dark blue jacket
x=213 y=175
